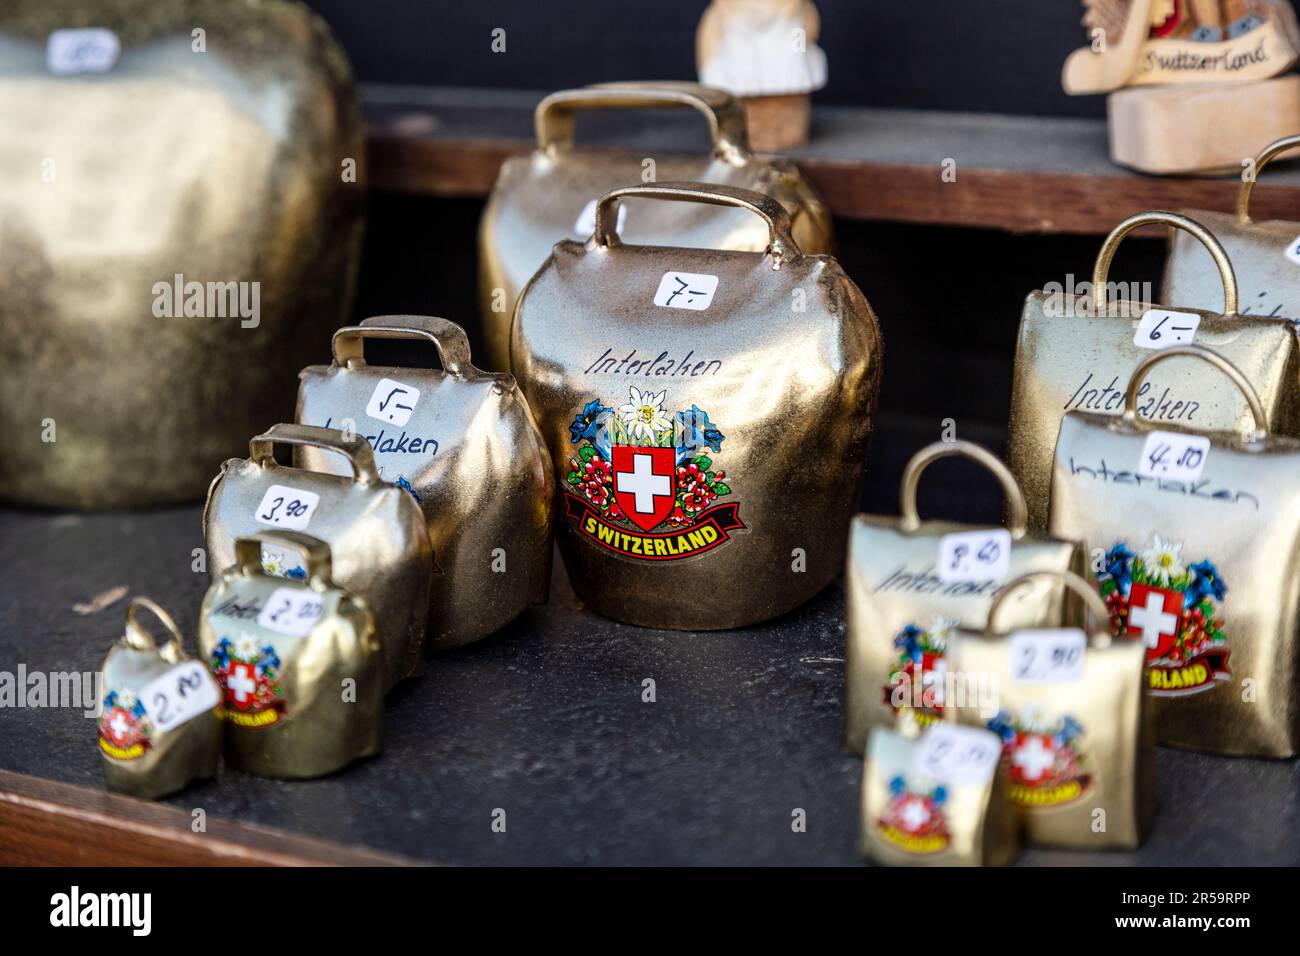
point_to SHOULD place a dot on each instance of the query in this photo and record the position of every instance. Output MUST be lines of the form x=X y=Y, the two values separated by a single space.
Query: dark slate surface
x=546 y=721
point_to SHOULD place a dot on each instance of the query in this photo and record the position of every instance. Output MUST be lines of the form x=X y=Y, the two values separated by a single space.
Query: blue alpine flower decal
x=695 y=433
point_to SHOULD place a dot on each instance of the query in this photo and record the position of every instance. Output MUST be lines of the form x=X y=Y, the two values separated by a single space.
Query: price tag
x=974 y=556
x=1293 y=250
x=181 y=694
x=957 y=754
x=285 y=507
x=1162 y=329
x=91 y=50
x=291 y=611
x=586 y=222
x=1173 y=455
x=686 y=290
x=1050 y=654
x=392 y=401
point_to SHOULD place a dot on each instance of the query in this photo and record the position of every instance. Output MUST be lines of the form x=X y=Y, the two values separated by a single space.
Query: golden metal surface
x=1260 y=253
x=223 y=165
x=1209 y=561
x=376 y=533
x=298 y=704
x=893 y=590
x=1071 y=355
x=538 y=199
x=144 y=761
x=1070 y=747
x=972 y=825
x=745 y=422
x=469 y=452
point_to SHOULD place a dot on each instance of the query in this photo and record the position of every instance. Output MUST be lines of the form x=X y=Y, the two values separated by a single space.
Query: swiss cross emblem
x=645 y=483
x=1155 y=614
x=1032 y=758
x=120 y=725
x=241 y=684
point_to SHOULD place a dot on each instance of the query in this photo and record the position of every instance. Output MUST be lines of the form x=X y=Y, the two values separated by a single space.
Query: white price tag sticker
x=974 y=556
x=392 y=401
x=1046 y=655
x=586 y=222
x=1162 y=329
x=1173 y=455
x=291 y=611
x=1293 y=250
x=285 y=507
x=954 y=753
x=181 y=694
x=686 y=290
x=90 y=50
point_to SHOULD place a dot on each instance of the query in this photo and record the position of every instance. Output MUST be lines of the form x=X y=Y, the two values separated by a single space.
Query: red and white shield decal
x=1155 y=615
x=241 y=685
x=645 y=483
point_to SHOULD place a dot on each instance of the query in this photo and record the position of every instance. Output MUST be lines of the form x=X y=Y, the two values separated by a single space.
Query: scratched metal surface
x=546 y=721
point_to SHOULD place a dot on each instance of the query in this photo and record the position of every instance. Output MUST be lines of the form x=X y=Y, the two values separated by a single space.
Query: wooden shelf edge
x=46 y=823
x=412 y=158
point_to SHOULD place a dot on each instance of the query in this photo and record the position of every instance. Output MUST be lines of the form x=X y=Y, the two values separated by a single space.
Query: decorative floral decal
x=1044 y=759
x=642 y=482
x=125 y=731
x=249 y=679
x=916 y=684
x=277 y=563
x=914 y=821
x=1173 y=607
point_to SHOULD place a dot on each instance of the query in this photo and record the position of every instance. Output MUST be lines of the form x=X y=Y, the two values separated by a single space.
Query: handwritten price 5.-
x=974 y=555
x=1173 y=455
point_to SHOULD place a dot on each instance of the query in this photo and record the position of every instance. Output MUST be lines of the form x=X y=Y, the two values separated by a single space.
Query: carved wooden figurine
x=766 y=53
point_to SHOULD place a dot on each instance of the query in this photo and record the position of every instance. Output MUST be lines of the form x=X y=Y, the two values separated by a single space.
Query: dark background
x=1000 y=56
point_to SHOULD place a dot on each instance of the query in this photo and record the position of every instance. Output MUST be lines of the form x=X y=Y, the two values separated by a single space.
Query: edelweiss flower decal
x=1163 y=560
x=643 y=416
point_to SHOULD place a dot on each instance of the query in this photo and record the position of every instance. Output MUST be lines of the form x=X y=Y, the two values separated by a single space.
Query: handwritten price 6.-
x=285 y=507
x=1162 y=329
x=974 y=556
x=1173 y=455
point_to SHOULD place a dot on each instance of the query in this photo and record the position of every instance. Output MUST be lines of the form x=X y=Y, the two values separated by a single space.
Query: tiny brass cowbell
x=936 y=799
x=298 y=661
x=1075 y=353
x=550 y=195
x=465 y=445
x=181 y=220
x=1265 y=255
x=707 y=413
x=1072 y=712
x=379 y=545
x=910 y=582
x=1193 y=535
x=161 y=725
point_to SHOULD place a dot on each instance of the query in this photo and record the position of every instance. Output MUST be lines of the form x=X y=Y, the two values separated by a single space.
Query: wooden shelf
x=1022 y=174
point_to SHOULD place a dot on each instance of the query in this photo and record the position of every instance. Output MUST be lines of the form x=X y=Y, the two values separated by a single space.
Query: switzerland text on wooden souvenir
x=707 y=412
